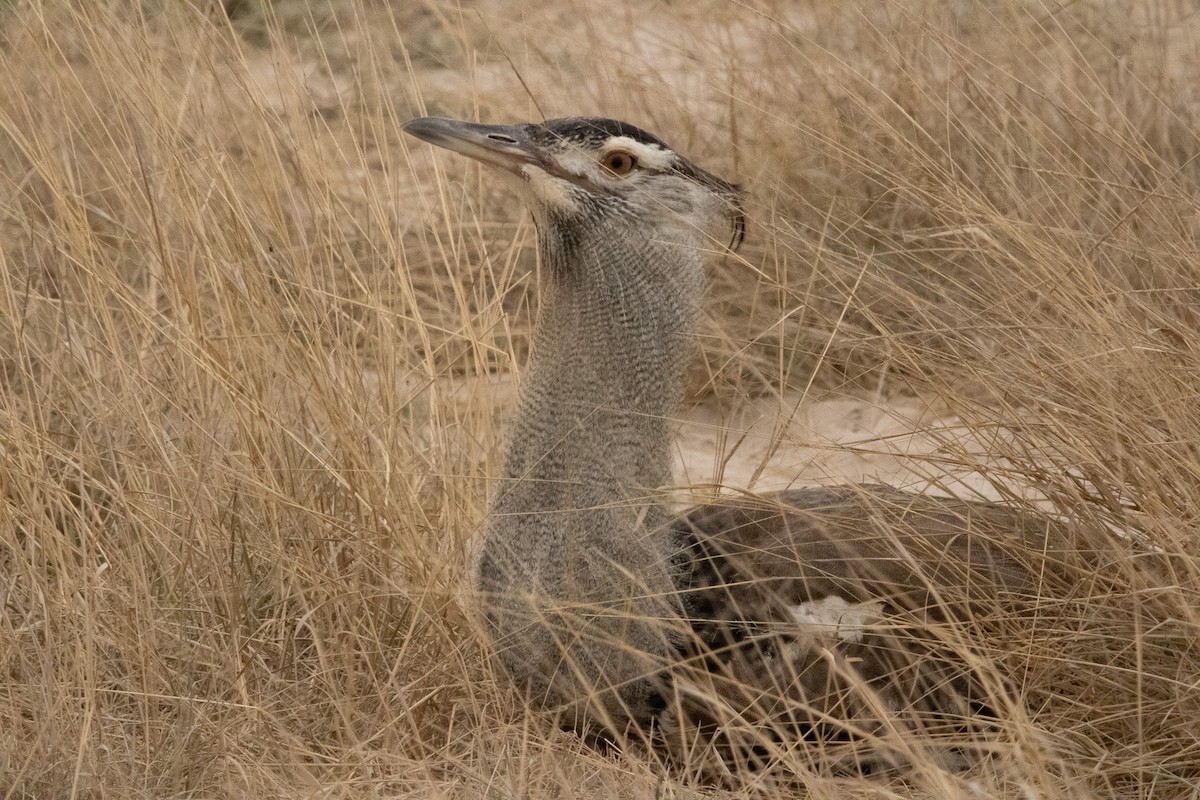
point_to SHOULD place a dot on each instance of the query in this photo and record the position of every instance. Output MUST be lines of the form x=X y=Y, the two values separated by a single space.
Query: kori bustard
x=842 y=616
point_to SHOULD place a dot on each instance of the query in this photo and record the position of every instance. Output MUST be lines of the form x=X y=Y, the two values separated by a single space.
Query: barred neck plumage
x=613 y=335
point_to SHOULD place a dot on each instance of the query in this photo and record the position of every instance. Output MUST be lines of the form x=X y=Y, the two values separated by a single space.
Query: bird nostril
x=500 y=137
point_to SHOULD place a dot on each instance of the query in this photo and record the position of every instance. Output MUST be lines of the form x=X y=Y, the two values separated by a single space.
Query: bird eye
x=619 y=162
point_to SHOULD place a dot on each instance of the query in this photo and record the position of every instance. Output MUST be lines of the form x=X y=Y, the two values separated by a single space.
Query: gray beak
x=505 y=146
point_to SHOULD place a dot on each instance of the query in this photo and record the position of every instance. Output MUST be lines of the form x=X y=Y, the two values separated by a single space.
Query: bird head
x=584 y=175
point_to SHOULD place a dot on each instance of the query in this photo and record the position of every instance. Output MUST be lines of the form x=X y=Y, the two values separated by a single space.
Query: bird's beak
x=505 y=146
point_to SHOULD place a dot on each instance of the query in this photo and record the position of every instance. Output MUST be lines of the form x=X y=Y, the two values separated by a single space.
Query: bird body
x=602 y=603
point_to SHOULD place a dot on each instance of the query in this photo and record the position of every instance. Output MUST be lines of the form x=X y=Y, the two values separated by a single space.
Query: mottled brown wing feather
x=866 y=542
x=940 y=572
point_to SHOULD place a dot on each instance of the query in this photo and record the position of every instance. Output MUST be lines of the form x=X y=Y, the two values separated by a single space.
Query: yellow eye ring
x=619 y=162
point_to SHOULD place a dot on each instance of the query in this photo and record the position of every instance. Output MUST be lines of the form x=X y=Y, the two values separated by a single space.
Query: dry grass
x=244 y=456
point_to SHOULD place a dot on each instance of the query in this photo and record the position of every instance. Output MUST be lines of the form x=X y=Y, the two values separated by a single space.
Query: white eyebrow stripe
x=650 y=156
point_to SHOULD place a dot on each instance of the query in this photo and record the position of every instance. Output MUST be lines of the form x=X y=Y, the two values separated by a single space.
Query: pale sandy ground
x=767 y=444
x=779 y=443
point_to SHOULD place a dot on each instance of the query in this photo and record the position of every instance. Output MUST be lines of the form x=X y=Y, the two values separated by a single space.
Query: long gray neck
x=592 y=431
x=576 y=570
